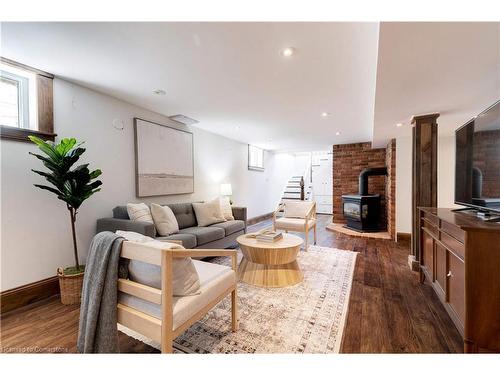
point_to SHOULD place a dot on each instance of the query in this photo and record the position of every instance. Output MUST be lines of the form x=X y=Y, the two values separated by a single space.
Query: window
x=17 y=99
x=25 y=102
x=255 y=158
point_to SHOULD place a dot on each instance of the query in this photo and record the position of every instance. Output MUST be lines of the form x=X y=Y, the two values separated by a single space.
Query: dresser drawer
x=456 y=246
x=453 y=231
x=432 y=218
x=430 y=227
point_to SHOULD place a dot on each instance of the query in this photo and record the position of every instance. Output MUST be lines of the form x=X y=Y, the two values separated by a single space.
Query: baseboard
x=24 y=295
x=402 y=236
x=258 y=219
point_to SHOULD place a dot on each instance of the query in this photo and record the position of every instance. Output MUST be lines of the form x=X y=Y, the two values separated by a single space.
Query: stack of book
x=266 y=236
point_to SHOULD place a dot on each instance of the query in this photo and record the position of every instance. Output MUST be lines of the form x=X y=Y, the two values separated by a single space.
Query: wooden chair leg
x=307 y=238
x=234 y=311
x=166 y=345
x=315 y=236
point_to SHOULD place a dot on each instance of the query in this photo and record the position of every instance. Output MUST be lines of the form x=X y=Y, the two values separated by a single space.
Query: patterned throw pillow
x=139 y=212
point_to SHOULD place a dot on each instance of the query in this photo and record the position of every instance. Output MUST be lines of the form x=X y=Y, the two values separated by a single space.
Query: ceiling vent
x=183 y=119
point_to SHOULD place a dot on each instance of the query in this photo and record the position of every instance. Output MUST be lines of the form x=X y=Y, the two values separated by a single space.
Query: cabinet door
x=456 y=285
x=428 y=254
x=440 y=269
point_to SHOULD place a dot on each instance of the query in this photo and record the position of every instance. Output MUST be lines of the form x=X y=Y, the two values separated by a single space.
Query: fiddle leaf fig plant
x=72 y=185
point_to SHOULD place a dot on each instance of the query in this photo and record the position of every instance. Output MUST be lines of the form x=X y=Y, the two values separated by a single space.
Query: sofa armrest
x=112 y=225
x=240 y=213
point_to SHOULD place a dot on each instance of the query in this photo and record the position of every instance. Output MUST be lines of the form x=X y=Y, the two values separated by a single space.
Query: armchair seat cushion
x=205 y=234
x=214 y=280
x=293 y=224
x=231 y=226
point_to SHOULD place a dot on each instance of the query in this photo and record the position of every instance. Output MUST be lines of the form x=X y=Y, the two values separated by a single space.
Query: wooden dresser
x=460 y=256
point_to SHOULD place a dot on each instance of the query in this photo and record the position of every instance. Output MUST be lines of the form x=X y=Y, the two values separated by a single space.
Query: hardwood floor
x=389 y=310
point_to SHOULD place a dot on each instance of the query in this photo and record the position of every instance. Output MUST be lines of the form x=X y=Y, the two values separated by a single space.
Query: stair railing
x=302 y=195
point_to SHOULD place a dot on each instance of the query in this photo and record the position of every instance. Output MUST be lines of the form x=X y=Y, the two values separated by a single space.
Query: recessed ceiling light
x=159 y=92
x=288 y=51
x=337 y=133
x=325 y=114
x=399 y=124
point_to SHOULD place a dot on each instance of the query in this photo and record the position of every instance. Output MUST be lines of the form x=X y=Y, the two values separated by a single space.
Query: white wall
x=403 y=184
x=35 y=227
x=446 y=171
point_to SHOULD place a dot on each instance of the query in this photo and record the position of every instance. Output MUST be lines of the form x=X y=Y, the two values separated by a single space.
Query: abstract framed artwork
x=163 y=159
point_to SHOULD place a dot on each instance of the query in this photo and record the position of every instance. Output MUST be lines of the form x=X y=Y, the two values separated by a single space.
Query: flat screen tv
x=477 y=161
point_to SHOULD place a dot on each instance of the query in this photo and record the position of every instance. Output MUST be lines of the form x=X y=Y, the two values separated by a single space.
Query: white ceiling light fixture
x=159 y=92
x=325 y=114
x=338 y=133
x=288 y=51
x=399 y=124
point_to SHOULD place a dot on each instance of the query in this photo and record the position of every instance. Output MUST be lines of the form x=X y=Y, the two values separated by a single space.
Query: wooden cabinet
x=460 y=257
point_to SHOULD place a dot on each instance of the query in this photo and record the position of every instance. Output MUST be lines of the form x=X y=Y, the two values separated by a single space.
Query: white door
x=322 y=183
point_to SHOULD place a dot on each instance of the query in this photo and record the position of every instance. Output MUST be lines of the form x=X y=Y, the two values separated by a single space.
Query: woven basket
x=71 y=287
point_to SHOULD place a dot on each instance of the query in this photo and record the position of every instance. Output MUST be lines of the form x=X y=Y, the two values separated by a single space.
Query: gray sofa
x=216 y=236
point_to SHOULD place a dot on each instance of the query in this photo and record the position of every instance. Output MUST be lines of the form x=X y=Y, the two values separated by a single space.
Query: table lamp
x=225 y=190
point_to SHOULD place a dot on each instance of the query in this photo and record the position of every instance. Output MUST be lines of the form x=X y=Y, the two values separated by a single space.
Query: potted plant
x=72 y=186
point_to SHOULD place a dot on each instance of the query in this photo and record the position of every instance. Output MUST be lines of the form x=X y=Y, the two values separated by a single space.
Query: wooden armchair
x=167 y=325
x=299 y=217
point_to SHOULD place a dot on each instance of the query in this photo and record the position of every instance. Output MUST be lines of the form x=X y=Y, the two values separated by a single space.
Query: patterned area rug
x=305 y=318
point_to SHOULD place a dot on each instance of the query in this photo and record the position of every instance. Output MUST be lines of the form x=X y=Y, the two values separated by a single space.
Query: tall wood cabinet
x=460 y=256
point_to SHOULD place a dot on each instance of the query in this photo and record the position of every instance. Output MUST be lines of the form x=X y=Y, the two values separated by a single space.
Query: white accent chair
x=298 y=216
x=156 y=313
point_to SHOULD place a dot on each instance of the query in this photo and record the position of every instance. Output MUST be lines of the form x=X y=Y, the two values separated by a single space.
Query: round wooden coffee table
x=270 y=264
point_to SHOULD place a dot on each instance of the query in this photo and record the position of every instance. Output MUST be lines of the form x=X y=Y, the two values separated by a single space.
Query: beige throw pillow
x=185 y=279
x=208 y=213
x=225 y=206
x=139 y=212
x=165 y=221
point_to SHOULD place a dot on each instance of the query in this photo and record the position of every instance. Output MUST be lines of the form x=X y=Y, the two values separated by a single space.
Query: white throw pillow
x=139 y=212
x=225 y=206
x=297 y=209
x=165 y=221
x=185 y=280
x=208 y=213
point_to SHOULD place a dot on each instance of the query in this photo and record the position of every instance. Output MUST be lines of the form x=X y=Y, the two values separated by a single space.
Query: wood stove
x=362 y=211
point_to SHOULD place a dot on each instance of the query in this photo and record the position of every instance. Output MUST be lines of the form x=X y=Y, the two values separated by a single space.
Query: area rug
x=341 y=229
x=305 y=318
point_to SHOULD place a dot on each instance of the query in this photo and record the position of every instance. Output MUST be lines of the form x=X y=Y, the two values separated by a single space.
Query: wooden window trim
x=45 y=103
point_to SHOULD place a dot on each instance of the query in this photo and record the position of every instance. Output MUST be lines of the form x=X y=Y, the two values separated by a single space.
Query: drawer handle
x=449 y=274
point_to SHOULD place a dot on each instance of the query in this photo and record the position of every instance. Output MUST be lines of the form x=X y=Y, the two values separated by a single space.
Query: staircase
x=296 y=189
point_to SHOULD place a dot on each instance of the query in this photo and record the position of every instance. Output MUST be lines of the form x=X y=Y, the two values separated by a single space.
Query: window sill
x=18 y=134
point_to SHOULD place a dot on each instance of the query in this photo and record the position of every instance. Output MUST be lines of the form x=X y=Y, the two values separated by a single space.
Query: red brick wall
x=390 y=188
x=348 y=162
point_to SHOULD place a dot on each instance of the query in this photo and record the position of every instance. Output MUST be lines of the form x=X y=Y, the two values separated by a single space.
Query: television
x=477 y=162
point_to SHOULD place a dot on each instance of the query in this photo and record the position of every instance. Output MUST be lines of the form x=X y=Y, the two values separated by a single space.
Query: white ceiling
x=449 y=68
x=232 y=78
x=229 y=76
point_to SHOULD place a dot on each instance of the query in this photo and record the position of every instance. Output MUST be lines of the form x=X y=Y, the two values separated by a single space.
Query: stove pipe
x=363 y=178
